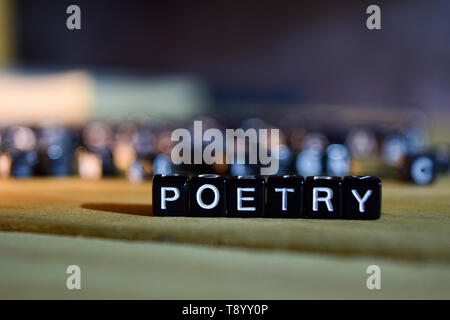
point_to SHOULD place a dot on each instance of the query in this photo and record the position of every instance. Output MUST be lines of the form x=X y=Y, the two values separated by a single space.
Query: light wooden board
x=215 y=258
x=415 y=222
x=34 y=267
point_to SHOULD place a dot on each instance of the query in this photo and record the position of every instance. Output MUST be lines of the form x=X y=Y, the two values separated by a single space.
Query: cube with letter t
x=323 y=197
x=245 y=196
x=170 y=195
x=285 y=196
x=362 y=197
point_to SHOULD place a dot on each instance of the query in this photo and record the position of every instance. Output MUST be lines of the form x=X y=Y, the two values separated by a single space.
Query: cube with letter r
x=170 y=195
x=362 y=197
x=323 y=197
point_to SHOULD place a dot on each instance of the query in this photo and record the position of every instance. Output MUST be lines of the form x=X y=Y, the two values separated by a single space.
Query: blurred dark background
x=311 y=68
x=283 y=51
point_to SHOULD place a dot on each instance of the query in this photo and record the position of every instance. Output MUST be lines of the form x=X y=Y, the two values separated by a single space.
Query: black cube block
x=420 y=168
x=208 y=196
x=170 y=195
x=23 y=164
x=285 y=196
x=337 y=160
x=245 y=196
x=323 y=197
x=361 y=197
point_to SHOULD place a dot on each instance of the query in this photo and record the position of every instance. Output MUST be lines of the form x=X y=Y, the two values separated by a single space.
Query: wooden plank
x=34 y=267
x=415 y=221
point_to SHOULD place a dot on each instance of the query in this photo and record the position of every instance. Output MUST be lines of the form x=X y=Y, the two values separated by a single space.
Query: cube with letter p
x=170 y=195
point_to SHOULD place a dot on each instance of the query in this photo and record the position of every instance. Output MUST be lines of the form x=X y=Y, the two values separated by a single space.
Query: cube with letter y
x=170 y=195
x=323 y=197
x=362 y=197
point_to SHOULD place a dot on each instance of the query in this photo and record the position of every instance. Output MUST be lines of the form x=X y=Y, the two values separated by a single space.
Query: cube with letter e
x=362 y=197
x=246 y=196
x=170 y=195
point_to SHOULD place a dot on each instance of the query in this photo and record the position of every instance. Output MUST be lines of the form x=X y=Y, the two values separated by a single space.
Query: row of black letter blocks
x=320 y=197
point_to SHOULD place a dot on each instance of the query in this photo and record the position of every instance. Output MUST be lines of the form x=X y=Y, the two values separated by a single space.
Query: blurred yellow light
x=5 y=165
x=63 y=98
x=89 y=165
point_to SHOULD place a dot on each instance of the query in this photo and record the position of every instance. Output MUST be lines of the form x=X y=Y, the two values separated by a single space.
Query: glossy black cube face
x=245 y=196
x=170 y=195
x=285 y=196
x=208 y=196
x=361 y=197
x=323 y=197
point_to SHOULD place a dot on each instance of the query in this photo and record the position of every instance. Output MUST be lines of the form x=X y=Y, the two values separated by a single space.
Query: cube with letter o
x=208 y=196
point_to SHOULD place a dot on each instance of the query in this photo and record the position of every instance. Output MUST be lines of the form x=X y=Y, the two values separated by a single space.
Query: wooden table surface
x=107 y=229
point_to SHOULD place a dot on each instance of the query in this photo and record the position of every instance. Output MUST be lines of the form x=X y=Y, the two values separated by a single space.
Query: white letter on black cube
x=323 y=197
x=362 y=197
x=170 y=195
